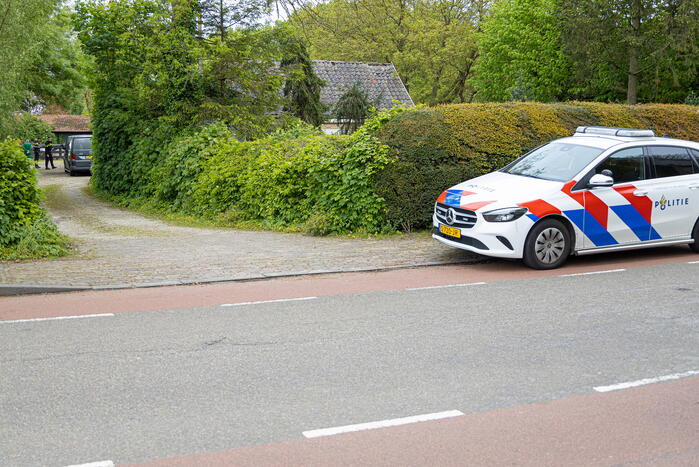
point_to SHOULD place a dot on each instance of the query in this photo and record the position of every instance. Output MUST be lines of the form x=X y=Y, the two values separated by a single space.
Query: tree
x=57 y=75
x=352 y=109
x=219 y=16
x=520 y=54
x=302 y=86
x=20 y=25
x=646 y=48
x=431 y=42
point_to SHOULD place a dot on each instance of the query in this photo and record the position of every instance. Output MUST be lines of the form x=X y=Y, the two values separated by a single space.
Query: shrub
x=19 y=192
x=25 y=231
x=24 y=127
x=435 y=148
x=297 y=179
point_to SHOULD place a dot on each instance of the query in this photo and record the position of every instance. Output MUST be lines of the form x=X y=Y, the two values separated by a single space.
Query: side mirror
x=599 y=180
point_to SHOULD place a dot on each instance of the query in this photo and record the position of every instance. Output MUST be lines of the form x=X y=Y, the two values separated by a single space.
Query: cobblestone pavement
x=120 y=248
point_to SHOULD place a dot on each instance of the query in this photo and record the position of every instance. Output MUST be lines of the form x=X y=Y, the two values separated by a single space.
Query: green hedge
x=435 y=148
x=25 y=231
x=295 y=179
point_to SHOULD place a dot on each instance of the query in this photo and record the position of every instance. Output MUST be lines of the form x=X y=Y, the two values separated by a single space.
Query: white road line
x=446 y=286
x=103 y=315
x=94 y=464
x=643 y=382
x=593 y=272
x=381 y=424
x=270 y=301
x=693 y=262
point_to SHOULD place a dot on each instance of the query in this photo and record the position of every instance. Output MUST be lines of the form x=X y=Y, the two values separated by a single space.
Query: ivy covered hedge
x=297 y=178
x=25 y=231
x=434 y=148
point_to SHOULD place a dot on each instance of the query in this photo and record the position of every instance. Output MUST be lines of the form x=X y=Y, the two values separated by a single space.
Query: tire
x=695 y=235
x=548 y=245
x=72 y=174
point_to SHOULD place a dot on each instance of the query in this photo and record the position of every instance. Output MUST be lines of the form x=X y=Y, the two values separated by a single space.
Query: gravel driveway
x=120 y=248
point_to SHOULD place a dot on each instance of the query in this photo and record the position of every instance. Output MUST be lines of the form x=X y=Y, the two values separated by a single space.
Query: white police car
x=603 y=189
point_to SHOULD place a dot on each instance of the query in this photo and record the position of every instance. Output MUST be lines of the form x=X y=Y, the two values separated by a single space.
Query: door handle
x=640 y=193
x=694 y=187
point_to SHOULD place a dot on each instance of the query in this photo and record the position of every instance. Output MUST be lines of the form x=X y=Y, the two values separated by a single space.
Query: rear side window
x=671 y=161
x=81 y=144
x=695 y=153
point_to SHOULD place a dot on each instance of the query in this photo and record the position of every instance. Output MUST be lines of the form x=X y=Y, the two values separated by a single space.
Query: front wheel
x=547 y=245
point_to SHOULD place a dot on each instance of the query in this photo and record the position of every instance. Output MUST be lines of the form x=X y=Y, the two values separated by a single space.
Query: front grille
x=465 y=219
x=470 y=241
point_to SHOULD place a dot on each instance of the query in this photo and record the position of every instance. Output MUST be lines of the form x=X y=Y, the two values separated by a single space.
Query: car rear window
x=81 y=144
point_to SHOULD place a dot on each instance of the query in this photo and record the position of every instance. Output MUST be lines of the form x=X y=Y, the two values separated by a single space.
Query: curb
x=14 y=290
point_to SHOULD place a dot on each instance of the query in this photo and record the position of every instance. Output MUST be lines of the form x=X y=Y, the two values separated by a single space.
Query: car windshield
x=555 y=161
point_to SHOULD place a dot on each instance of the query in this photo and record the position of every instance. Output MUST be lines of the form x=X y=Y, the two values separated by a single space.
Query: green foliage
x=24 y=127
x=297 y=178
x=302 y=86
x=40 y=239
x=155 y=78
x=692 y=98
x=352 y=109
x=432 y=43
x=521 y=57
x=20 y=36
x=633 y=50
x=433 y=149
x=25 y=232
x=56 y=75
x=294 y=179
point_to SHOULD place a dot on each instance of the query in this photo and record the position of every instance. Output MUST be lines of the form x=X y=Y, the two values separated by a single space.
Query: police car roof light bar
x=610 y=131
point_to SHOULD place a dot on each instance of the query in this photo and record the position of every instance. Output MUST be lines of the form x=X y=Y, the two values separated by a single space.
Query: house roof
x=62 y=123
x=380 y=80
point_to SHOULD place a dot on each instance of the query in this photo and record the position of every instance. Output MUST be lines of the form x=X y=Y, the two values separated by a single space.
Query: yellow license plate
x=451 y=231
x=89 y=157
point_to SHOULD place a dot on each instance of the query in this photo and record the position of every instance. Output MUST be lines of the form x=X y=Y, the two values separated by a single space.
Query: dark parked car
x=78 y=155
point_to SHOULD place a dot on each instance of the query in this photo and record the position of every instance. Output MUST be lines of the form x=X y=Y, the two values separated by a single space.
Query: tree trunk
x=634 y=52
x=632 y=86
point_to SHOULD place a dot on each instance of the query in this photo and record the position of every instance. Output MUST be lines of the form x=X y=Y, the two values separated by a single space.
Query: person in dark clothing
x=48 y=155
x=37 y=153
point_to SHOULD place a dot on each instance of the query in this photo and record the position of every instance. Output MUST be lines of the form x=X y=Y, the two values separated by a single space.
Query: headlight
x=504 y=214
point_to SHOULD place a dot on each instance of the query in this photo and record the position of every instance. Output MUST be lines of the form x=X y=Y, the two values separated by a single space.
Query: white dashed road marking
x=103 y=315
x=643 y=382
x=94 y=464
x=446 y=286
x=593 y=272
x=693 y=262
x=270 y=301
x=381 y=424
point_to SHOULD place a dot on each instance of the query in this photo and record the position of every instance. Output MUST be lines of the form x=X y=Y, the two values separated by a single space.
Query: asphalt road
x=137 y=386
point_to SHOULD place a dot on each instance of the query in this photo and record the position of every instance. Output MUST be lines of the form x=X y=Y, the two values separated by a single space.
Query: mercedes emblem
x=451 y=216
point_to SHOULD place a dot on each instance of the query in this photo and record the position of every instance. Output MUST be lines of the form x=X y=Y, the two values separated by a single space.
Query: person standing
x=48 y=155
x=27 y=148
x=37 y=154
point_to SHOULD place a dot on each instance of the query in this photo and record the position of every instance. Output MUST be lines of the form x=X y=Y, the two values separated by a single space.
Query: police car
x=603 y=189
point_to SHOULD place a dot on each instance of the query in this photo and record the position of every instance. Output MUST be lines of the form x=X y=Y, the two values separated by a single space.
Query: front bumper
x=498 y=239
